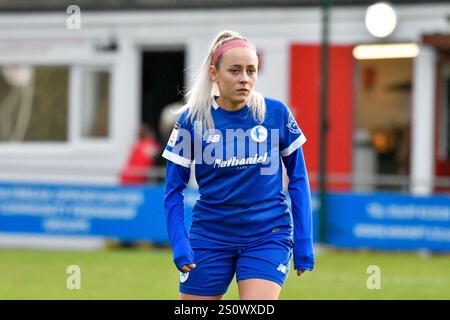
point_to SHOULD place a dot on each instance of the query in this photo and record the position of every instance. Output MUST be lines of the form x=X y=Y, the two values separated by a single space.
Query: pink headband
x=230 y=45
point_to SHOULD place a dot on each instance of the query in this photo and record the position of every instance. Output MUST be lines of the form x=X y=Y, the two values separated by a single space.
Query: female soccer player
x=241 y=224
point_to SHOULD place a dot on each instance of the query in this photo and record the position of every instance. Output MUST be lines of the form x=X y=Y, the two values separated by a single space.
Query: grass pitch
x=150 y=274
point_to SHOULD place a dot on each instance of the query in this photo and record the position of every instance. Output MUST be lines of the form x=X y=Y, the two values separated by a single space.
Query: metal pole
x=323 y=127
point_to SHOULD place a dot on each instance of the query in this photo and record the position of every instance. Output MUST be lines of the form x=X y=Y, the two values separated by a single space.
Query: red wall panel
x=305 y=104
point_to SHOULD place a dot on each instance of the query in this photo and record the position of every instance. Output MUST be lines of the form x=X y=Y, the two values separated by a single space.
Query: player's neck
x=229 y=105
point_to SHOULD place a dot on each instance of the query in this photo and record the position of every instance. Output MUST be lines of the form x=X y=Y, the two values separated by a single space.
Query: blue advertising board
x=388 y=221
x=125 y=213
x=373 y=221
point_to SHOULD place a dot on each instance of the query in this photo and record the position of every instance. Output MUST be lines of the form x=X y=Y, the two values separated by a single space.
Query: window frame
x=76 y=92
x=74 y=136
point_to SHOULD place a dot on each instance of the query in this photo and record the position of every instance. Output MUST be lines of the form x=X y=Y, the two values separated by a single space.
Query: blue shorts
x=268 y=258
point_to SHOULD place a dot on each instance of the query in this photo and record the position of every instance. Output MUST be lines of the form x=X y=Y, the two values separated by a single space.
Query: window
x=383 y=119
x=95 y=103
x=444 y=118
x=33 y=103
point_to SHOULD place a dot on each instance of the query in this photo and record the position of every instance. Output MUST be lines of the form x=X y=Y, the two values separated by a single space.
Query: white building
x=72 y=99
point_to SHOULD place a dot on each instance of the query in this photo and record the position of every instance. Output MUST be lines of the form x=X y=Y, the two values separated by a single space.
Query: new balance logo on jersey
x=218 y=163
x=213 y=138
x=282 y=268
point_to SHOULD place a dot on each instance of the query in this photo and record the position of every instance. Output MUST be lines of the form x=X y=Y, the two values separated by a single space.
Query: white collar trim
x=214 y=103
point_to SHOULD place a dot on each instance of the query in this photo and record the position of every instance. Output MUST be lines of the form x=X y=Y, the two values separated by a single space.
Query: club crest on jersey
x=258 y=134
x=292 y=125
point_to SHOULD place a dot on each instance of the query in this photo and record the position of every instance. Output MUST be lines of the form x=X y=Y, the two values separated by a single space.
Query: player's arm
x=177 y=177
x=179 y=156
x=299 y=192
x=291 y=141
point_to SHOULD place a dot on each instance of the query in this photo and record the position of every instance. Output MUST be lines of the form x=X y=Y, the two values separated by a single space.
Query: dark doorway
x=162 y=84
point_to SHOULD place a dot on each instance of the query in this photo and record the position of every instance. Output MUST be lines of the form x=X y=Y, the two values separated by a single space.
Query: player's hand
x=299 y=272
x=188 y=267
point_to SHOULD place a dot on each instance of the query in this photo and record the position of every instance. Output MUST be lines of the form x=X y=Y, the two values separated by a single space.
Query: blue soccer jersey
x=239 y=174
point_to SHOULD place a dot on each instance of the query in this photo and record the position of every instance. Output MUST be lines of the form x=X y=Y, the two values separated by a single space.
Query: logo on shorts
x=282 y=268
x=184 y=276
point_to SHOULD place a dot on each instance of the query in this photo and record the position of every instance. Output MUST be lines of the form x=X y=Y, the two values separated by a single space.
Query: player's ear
x=213 y=73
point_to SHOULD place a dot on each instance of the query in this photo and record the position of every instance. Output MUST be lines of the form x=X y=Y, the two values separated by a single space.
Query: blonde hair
x=198 y=98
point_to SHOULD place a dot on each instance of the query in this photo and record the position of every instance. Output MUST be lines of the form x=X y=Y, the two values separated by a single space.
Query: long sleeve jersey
x=239 y=176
